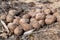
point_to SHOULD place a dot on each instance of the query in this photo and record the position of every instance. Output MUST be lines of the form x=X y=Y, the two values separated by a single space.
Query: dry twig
x=5 y=26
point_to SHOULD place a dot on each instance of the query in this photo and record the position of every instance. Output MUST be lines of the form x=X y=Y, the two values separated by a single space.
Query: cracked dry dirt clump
x=30 y=19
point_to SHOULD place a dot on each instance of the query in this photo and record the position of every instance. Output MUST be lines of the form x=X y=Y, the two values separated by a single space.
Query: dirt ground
x=46 y=32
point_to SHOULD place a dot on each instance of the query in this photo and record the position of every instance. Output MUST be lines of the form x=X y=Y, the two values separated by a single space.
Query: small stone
x=47 y=11
x=35 y=24
x=18 y=31
x=23 y=20
x=40 y=16
x=41 y=22
x=11 y=27
x=12 y=12
x=50 y=19
x=26 y=26
x=16 y=20
x=27 y=16
x=3 y=17
x=9 y=18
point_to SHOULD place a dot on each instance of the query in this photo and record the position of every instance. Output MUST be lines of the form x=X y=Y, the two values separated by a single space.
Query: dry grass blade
x=5 y=26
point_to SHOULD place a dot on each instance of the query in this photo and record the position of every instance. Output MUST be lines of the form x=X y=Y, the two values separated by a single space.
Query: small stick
x=27 y=33
x=5 y=26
